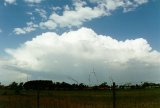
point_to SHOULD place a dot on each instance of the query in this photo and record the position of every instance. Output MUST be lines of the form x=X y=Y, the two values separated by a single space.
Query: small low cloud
x=30 y=27
x=77 y=13
x=126 y=5
x=27 y=1
x=33 y=1
x=42 y=13
x=75 y=53
x=10 y=1
x=81 y=12
x=48 y=25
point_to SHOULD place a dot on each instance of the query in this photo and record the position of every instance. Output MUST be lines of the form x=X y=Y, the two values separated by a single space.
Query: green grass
x=142 y=98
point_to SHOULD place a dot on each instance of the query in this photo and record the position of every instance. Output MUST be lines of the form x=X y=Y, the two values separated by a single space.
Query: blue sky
x=23 y=20
x=141 y=22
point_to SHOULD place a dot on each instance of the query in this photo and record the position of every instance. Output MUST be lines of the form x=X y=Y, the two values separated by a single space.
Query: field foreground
x=142 y=98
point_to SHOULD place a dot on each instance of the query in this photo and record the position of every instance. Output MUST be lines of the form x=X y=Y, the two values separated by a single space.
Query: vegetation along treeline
x=49 y=85
x=48 y=94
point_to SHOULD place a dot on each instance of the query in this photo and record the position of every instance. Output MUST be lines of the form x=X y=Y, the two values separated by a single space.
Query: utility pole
x=38 y=92
x=114 y=95
x=94 y=75
x=27 y=77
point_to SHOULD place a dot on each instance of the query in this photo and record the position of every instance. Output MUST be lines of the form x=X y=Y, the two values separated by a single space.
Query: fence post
x=38 y=91
x=114 y=95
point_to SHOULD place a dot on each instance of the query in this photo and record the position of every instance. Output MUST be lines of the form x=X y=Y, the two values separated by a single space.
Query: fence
x=148 y=98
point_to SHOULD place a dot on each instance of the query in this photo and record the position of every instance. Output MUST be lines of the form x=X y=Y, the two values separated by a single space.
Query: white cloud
x=30 y=27
x=141 y=1
x=29 y=13
x=10 y=1
x=75 y=17
x=73 y=54
x=33 y=1
x=42 y=13
x=19 y=31
x=127 y=5
x=48 y=24
x=77 y=14
x=56 y=8
x=81 y=12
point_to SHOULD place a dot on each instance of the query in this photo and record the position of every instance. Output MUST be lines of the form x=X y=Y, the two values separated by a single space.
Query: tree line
x=49 y=85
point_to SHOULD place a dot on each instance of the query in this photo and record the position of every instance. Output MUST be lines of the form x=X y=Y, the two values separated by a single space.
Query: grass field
x=142 y=98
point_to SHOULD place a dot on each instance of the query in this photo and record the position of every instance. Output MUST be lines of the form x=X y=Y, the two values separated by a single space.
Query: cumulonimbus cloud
x=75 y=53
x=9 y=74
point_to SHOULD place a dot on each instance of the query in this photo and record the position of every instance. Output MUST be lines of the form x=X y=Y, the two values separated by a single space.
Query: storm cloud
x=74 y=54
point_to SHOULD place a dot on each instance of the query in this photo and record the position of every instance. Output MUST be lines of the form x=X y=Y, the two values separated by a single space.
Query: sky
x=90 y=41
